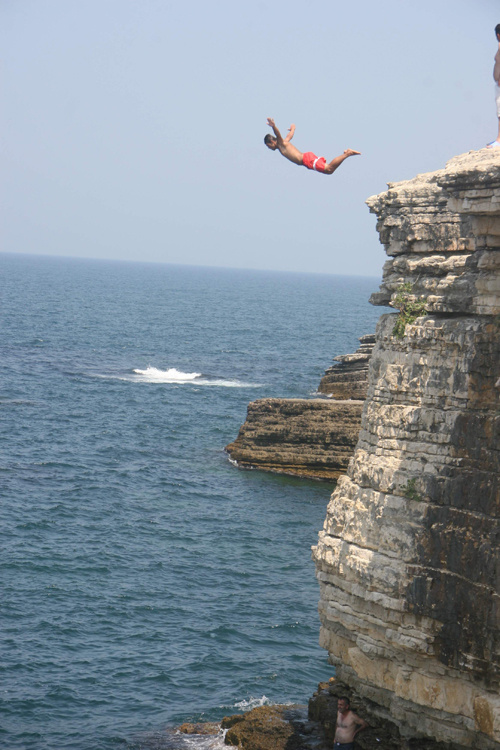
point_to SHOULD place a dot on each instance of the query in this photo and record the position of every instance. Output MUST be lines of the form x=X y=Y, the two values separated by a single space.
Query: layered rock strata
x=303 y=437
x=349 y=379
x=408 y=557
x=312 y=438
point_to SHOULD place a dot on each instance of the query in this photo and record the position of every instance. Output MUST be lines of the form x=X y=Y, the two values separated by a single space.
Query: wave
x=172 y=739
x=172 y=375
x=248 y=705
x=154 y=375
x=175 y=377
x=4 y=401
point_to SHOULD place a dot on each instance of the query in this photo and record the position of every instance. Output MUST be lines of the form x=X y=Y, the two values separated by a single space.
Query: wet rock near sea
x=201 y=728
x=273 y=728
x=278 y=727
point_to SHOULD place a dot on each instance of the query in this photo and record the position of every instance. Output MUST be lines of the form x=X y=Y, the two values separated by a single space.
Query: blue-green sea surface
x=146 y=580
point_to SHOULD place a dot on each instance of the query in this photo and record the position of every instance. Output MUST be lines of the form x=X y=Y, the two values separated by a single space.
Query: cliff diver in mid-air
x=311 y=161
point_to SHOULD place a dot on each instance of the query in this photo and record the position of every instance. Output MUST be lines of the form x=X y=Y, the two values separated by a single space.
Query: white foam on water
x=228 y=383
x=247 y=705
x=172 y=375
x=154 y=375
x=176 y=377
x=201 y=742
x=175 y=740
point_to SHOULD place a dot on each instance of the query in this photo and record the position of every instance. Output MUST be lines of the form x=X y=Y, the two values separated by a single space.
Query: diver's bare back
x=290 y=152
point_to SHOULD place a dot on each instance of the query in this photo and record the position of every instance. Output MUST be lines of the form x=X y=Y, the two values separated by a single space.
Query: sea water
x=146 y=580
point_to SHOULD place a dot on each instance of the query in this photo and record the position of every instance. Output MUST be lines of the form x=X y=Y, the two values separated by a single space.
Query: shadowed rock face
x=297 y=436
x=408 y=557
x=381 y=734
x=349 y=379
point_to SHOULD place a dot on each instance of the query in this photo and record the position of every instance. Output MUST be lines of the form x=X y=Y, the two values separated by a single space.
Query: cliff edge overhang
x=441 y=232
x=407 y=560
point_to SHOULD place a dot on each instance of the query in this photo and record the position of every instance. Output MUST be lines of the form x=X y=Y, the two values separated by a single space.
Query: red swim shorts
x=311 y=161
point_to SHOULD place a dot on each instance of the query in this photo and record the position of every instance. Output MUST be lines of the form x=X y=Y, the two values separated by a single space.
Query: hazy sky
x=133 y=129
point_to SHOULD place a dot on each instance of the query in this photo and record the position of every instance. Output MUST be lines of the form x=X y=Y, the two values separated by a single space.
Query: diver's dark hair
x=497 y=29
x=269 y=138
x=344 y=698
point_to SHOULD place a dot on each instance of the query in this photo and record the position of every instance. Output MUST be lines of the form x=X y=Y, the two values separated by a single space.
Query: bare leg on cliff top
x=309 y=160
x=496 y=76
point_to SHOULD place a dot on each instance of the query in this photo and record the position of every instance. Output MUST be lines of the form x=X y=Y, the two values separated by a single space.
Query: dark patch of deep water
x=146 y=581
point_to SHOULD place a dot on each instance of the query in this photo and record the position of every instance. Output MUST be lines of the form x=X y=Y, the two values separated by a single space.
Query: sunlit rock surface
x=408 y=557
x=272 y=728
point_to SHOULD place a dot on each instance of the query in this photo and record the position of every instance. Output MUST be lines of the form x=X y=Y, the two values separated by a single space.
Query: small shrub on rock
x=410 y=308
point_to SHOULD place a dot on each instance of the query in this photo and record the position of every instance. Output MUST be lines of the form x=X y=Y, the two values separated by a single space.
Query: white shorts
x=497 y=99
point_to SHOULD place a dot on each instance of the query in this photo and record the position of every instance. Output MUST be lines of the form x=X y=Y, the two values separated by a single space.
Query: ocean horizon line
x=119 y=261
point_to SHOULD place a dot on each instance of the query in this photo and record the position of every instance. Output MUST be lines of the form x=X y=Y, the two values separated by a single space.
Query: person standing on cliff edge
x=348 y=726
x=496 y=76
x=311 y=161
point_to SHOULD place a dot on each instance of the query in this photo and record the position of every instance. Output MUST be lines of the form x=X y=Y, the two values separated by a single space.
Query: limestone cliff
x=408 y=557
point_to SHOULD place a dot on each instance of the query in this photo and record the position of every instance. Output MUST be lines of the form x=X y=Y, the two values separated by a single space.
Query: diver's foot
x=493 y=144
x=351 y=152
